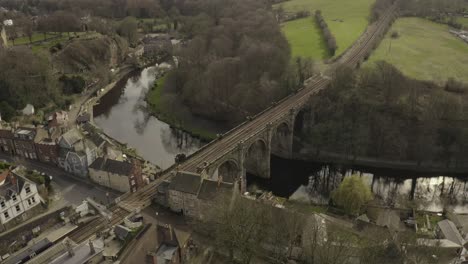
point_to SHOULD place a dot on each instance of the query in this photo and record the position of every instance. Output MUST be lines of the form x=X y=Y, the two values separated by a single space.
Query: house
x=183 y=191
x=174 y=245
x=191 y=195
x=19 y=198
x=8 y=22
x=447 y=229
x=76 y=152
x=117 y=175
x=46 y=146
x=122 y=232
x=57 y=119
x=7 y=144
x=28 y=110
x=24 y=142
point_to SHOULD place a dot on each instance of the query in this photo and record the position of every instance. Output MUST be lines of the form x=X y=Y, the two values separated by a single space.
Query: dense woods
x=381 y=113
x=235 y=65
x=329 y=38
x=24 y=78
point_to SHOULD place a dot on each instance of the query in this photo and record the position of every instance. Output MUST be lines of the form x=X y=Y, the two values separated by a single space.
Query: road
x=67 y=190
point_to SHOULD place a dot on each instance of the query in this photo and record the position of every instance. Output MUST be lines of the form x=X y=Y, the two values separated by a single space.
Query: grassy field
x=346 y=19
x=425 y=50
x=305 y=38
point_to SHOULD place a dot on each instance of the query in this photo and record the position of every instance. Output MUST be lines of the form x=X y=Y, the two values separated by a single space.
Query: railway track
x=230 y=140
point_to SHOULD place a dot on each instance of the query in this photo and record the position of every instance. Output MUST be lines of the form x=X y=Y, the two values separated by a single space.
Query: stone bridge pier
x=252 y=155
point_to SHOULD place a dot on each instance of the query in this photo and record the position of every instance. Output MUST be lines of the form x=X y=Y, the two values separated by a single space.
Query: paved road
x=66 y=188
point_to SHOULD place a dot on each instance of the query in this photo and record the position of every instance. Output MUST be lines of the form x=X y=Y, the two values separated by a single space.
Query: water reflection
x=121 y=114
x=390 y=187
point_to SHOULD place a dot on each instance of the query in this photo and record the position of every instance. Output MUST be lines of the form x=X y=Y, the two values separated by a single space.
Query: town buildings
x=7 y=144
x=24 y=142
x=19 y=198
x=190 y=194
x=117 y=175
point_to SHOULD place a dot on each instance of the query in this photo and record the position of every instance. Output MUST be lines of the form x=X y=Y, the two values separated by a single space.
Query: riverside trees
x=236 y=62
x=381 y=113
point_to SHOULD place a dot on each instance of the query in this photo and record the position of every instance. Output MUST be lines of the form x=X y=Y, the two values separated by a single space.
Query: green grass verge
x=346 y=19
x=154 y=101
x=424 y=50
x=305 y=38
x=35 y=37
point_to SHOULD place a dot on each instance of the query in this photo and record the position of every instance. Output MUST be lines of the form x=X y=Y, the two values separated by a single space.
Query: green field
x=305 y=38
x=346 y=19
x=425 y=50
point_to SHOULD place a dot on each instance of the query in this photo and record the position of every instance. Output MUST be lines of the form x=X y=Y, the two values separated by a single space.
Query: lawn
x=35 y=37
x=305 y=38
x=346 y=19
x=425 y=50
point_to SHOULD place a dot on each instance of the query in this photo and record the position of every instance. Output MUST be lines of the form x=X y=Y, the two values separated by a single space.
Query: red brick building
x=46 y=145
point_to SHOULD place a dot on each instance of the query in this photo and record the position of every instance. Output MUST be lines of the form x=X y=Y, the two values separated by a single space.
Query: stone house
x=24 y=142
x=19 y=198
x=190 y=194
x=182 y=194
x=117 y=175
x=46 y=146
x=7 y=144
x=76 y=153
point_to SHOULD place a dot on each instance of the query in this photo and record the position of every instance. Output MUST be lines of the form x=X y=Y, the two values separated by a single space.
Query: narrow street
x=67 y=189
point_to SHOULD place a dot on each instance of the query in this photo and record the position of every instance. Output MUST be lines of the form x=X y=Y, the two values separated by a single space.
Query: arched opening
x=282 y=140
x=228 y=171
x=257 y=159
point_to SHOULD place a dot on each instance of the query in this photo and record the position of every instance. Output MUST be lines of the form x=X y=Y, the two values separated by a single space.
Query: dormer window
x=14 y=198
x=2 y=204
x=28 y=189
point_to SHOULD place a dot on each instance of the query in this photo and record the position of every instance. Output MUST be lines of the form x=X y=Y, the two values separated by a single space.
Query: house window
x=2 y=204
x=33 y=199
x=28 y=189
x=6 y=215
x=29 y=202
x=14 y=198
x=18 y=209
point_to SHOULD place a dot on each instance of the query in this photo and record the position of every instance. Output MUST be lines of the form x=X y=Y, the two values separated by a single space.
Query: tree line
x=381 y=113
x=329 y=38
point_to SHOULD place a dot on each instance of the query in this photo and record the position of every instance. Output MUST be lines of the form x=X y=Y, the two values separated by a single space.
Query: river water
x=121 y=114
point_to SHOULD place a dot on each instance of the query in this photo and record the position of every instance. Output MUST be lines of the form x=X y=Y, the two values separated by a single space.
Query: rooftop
x=209 y=189
x=186 y=182
x=450 y=232
x=112 y=166
x=72 y=136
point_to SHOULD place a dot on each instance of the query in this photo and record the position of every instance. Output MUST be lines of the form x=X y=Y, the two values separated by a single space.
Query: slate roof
x=121 y=231
x=450 y=231
x=389 y=219
x=209 y=189
x=72 y=136
x=44 y=243
x=6 y=133
x=186 y=182
x=165 y=253
x=112 y=166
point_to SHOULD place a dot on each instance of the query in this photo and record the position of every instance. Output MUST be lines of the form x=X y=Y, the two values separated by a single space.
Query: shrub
x=329 y=38
x=395 y=35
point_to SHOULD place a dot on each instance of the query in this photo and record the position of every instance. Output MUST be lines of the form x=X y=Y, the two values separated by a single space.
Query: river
x=121 y=114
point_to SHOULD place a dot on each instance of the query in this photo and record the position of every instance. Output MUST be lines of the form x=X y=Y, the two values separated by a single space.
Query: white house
x=8 y=22
x=18 y=196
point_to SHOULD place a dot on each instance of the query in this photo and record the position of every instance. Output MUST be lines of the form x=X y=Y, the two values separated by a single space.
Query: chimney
x=69 y=247
x=91 y=247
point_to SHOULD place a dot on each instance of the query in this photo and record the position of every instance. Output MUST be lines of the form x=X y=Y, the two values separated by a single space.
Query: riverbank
x=155 y=106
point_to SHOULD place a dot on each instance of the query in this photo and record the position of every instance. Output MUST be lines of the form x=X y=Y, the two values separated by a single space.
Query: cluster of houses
x=80 y=151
